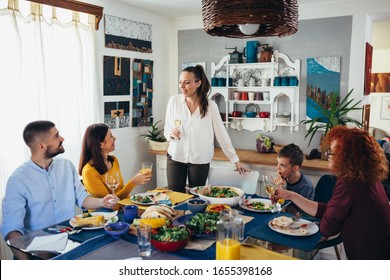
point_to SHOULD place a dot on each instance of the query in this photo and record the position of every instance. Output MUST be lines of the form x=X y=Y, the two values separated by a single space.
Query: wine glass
x=112 y=181
x=269 y=184
x=177 y=126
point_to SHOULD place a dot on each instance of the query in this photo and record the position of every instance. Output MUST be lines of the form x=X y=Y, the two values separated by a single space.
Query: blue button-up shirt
x=36 y=198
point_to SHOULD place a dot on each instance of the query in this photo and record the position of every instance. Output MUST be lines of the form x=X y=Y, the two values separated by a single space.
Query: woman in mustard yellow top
x=95 y=161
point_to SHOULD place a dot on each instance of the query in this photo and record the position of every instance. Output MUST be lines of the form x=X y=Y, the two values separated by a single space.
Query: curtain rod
x=77 y=6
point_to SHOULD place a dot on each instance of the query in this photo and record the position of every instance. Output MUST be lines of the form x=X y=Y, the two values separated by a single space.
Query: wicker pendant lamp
x=250 y=18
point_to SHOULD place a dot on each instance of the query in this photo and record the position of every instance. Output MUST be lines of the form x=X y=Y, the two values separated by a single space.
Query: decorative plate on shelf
x=251 y=107
x=266 y=74
x=254 y=74
x=287 y=72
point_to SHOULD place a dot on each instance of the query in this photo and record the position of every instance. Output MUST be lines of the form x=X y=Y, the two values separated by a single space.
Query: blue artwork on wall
x=323 y=81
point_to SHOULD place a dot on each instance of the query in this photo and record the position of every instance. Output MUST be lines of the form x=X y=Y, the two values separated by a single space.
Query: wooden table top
x=253 y=157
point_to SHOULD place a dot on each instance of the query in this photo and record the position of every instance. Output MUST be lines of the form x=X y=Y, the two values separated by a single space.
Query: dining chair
x=323 y=192
x=223 y=176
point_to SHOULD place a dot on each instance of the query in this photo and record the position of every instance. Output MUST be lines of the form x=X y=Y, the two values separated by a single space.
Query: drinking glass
x=146 y=167
x=269 y=184
x=112 y=181
x=143 y=237
x=178 y=126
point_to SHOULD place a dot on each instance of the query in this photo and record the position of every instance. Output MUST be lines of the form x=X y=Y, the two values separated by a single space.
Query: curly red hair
x=358 y=157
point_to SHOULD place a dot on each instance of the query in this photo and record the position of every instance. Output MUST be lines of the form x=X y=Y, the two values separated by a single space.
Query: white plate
x=287 y=72
x=311 y=229
x=153 y=197
x=195 y=190
x=109 y=217
x=266 y=74
x=249 y=208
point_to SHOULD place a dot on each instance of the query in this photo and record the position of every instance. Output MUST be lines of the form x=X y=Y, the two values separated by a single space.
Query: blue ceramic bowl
x=250 y=114
x=116 y=229
x=197 y=205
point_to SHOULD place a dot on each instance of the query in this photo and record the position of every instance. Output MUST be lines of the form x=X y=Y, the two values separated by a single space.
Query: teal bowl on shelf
x=250 y=114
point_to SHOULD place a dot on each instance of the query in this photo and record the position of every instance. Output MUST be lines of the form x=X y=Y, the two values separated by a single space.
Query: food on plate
x=170 y=234
x=220 y=192
x=203 y=223
x=258 y=205
x=196 y=189
x=216 y=208
x=153 y=222
x=282 y=222
x=150 y=198
x=159 y=211
x=97 y=220
x=142 y=199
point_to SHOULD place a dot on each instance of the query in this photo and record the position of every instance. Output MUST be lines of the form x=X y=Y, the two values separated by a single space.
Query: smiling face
x=53 y=143
x=108 y=144
x=188 y=84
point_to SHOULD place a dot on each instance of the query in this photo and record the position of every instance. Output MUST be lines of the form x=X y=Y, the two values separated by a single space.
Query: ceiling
x=186 y=8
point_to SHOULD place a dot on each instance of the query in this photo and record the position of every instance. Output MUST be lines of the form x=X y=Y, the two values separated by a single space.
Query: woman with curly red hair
x=359 y=208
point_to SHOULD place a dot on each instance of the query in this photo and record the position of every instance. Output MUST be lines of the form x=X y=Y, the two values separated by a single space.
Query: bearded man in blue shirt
x=44 y=190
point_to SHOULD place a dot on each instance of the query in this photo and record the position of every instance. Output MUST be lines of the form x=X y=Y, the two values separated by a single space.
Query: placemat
x=263 y=231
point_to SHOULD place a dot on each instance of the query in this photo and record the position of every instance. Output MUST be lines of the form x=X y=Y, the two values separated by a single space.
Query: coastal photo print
x=116 y=75
x=126 y=34
x=116 y=114
x=323 y=82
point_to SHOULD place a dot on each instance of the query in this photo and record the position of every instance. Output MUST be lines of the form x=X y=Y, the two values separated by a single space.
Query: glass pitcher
x=228 y=229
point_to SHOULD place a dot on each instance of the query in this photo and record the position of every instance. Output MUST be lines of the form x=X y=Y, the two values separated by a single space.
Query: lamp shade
x=273 y=18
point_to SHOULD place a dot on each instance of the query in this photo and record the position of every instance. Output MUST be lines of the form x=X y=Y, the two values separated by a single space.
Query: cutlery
x=296 y=226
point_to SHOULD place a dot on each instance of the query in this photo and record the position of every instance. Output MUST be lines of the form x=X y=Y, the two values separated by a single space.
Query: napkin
x=199 y=244
x=54 y=242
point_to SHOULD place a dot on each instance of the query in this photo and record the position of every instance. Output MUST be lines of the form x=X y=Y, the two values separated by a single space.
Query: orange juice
x=143 y=170
x=228 y=250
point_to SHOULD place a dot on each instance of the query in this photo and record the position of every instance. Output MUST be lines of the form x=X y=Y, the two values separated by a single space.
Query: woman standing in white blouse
x=192 y=120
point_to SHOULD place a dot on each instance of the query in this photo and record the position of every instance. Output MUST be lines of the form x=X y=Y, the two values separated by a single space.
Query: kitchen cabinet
x=258 y=78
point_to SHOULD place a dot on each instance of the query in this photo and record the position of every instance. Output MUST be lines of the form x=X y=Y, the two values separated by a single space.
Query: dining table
x=261 y=242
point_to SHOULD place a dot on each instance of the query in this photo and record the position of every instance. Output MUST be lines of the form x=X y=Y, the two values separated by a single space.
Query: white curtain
x=47 y=71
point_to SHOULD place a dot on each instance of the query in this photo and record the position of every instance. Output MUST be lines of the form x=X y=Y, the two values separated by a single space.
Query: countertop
x=253 y=157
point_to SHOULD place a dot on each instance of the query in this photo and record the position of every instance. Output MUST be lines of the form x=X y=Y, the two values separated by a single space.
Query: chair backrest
x=324 y=188
x=229 y=177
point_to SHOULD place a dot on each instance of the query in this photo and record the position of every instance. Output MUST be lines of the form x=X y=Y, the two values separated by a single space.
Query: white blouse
x=196 y=144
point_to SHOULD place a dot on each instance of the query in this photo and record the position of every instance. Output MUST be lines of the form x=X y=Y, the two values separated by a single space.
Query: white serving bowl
x=232 y=201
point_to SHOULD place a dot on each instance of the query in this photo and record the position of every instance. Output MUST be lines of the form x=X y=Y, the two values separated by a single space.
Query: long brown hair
x=94 y=135
x=358 y=157
x=204 y=88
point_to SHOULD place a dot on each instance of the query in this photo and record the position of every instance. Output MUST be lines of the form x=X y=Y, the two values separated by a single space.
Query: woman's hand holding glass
x=175 y=134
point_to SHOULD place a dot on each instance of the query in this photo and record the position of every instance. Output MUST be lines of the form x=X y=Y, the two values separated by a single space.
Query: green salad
x=221 y=192
x=203 y=223
x=170 y=234
x=142 y=199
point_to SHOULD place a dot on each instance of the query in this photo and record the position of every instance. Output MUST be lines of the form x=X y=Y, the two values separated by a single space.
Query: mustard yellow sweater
x=94 y=182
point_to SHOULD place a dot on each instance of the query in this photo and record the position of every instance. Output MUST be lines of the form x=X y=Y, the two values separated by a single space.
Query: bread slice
x=97 y=220
x=282 y=222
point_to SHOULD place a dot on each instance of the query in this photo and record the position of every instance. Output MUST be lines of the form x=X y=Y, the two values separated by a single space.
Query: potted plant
x=335 y=115
x=156 y=139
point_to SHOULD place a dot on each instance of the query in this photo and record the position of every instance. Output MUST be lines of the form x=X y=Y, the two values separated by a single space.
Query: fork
x=292 y=226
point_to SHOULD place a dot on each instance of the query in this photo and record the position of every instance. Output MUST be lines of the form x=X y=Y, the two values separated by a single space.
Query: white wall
x=131 y=150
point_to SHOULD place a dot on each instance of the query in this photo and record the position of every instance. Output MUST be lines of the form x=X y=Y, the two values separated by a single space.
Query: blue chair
x=323 y=192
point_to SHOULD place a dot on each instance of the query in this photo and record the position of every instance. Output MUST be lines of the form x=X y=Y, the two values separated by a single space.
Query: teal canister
x=284 y=81
x=293 y=81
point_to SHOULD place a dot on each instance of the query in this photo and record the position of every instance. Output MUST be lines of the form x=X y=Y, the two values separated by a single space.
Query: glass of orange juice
x=146 y=167
x=228 y=249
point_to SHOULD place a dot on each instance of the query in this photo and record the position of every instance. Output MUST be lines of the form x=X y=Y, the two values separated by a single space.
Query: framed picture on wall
x=385 y=108
x=367 y=70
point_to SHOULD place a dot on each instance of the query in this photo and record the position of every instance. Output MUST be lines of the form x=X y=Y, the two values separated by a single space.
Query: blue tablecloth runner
x=264 y=232
x=258 y=227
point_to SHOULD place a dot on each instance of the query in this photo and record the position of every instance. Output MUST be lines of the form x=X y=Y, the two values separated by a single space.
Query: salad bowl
x=221 y=195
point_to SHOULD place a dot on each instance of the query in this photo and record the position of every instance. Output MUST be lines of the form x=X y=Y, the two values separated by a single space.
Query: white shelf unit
x=281 y=98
